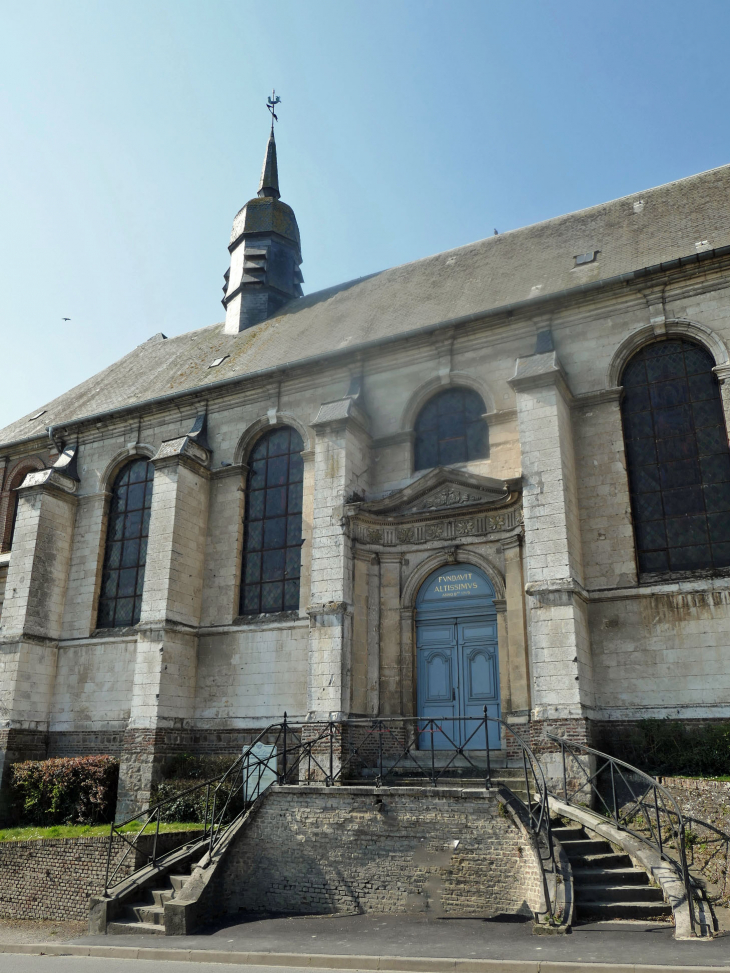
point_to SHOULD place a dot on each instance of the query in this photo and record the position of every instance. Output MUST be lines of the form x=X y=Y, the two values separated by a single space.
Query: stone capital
x=539 y=371
x=42 y=480
x=341 y=412
x=182 y=450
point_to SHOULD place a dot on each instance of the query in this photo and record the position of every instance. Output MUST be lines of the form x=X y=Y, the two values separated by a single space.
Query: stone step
x=160 y=896
x=614 y=876
x=568 y=834
x=145 y=913
x=619 y=893
x=612 y=860
x=647 y=911
x=177 y=881
x=582 y=847
x=130 y=927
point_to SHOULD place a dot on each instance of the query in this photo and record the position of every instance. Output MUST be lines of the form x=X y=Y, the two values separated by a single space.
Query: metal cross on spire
x=271 y=102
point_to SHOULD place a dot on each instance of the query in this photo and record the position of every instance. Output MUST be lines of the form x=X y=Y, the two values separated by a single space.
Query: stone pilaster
x=557 y=610
x=163 y=691
x=33 y=611
x=341 y=462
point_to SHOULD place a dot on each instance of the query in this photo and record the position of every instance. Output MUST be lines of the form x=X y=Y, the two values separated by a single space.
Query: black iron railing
x=376 y=751
x=634 y=801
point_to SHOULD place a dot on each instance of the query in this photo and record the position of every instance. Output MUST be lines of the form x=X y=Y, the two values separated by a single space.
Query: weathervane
x=271 y=102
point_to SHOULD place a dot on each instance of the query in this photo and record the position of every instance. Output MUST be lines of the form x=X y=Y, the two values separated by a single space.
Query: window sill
x=667 y=577
x=291 y=616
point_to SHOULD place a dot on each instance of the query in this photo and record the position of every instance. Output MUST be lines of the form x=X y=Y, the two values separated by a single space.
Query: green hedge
x=65 y=790
x=184 y=771
x=671 y=748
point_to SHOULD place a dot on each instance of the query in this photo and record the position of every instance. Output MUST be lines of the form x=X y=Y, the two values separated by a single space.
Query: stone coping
x=406 y=964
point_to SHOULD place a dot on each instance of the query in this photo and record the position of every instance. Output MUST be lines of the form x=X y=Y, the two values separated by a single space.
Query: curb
x=328 y=961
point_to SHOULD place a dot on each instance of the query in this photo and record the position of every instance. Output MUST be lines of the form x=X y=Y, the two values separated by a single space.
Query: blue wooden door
x=479 y=678
x=438 y=679
x=457 y=659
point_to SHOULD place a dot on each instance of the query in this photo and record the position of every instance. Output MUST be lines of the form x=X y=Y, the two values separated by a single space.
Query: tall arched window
x=677 y=458
x=272 y=542
x=122 y=578
x=450 y=429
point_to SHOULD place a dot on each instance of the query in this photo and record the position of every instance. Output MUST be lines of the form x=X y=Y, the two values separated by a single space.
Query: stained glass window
x=122 y=577
x=677 y=458
x=272 y=538
x=450 y=429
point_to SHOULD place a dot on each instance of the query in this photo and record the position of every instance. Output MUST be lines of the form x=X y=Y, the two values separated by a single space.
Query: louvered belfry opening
x=125 y=556
x=272 y=544
x=677 y=458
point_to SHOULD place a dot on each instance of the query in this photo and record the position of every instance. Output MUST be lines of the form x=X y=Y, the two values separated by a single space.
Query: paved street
x=10 y=963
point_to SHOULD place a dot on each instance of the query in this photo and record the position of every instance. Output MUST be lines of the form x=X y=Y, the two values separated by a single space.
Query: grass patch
x=34 y=833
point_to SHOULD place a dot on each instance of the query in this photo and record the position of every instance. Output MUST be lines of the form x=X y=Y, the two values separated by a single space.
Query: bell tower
x=265 y=252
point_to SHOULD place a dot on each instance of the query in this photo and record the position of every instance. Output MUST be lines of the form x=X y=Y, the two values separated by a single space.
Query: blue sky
x=134 y=132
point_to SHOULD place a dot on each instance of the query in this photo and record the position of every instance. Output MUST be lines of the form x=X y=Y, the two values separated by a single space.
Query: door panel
x=477 y=641
x=437 y=682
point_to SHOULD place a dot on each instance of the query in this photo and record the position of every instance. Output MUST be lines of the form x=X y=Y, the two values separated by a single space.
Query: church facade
x=495 y=477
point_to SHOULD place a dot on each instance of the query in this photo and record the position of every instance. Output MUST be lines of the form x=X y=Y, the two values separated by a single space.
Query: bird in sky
x=65 y=319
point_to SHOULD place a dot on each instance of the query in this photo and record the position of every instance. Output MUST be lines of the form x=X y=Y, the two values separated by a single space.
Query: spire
x=269 y=185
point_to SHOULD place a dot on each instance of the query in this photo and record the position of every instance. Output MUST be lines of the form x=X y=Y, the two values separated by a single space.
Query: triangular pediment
x=441 y=489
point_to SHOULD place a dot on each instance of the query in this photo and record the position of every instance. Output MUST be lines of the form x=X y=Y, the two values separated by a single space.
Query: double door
x=458 y=675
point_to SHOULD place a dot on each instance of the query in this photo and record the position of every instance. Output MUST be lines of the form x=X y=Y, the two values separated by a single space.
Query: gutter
x=587 y=288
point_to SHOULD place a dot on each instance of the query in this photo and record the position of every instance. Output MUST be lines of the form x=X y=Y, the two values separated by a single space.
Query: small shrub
x=65 y=790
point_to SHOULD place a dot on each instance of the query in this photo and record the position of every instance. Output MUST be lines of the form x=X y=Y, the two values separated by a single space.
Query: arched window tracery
x=450 y=429
x=125 y=555
x=677 y=458
x=272 y=540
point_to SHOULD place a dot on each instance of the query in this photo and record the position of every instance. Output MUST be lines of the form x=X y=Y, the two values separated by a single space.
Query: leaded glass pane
x=677 y=458
x=273 y=524
x=450 y=429
x=122 y=582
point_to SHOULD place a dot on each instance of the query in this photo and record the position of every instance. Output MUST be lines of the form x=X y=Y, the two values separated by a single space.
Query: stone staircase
x=606 y=884
x=147 y=916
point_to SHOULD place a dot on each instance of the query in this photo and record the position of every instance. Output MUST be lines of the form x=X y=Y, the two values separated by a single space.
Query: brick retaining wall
x=53 y=878
x=319 y=850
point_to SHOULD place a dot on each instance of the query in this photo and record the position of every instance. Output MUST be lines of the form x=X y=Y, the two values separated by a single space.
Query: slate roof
x=630 y=233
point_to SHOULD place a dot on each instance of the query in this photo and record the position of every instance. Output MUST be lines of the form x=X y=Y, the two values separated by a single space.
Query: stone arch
x=106 y=478
x=263 y=424
x=445 y=557
x=8 y=499
x=424 y=392
x=677 y=328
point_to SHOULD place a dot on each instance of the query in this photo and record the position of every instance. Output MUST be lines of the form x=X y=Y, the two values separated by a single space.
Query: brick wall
x=54 y=878
x=336 y=849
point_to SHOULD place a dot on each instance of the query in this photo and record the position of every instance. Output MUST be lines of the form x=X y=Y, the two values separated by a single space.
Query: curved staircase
x=607 y=885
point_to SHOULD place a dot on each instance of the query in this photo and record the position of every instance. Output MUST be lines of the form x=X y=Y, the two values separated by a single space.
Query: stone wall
x=705 y=806
x=342 y=849
x=53 y=878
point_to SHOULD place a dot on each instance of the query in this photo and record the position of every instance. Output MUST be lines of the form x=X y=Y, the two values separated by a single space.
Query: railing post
x=283 y=776
x=488 y=782
x=108 y=857
x=433 y=756
x=380 y=751
x=527 y=782
x=565 y=774
x=658 y=822
x=330 y=779
x=207 y=801
x=157 y=831
x=613 y=792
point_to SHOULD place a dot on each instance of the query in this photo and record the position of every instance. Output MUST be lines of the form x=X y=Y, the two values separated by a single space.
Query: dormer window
x=586 y=258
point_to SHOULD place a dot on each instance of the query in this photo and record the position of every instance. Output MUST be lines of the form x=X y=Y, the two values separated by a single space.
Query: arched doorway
x=457 y=657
